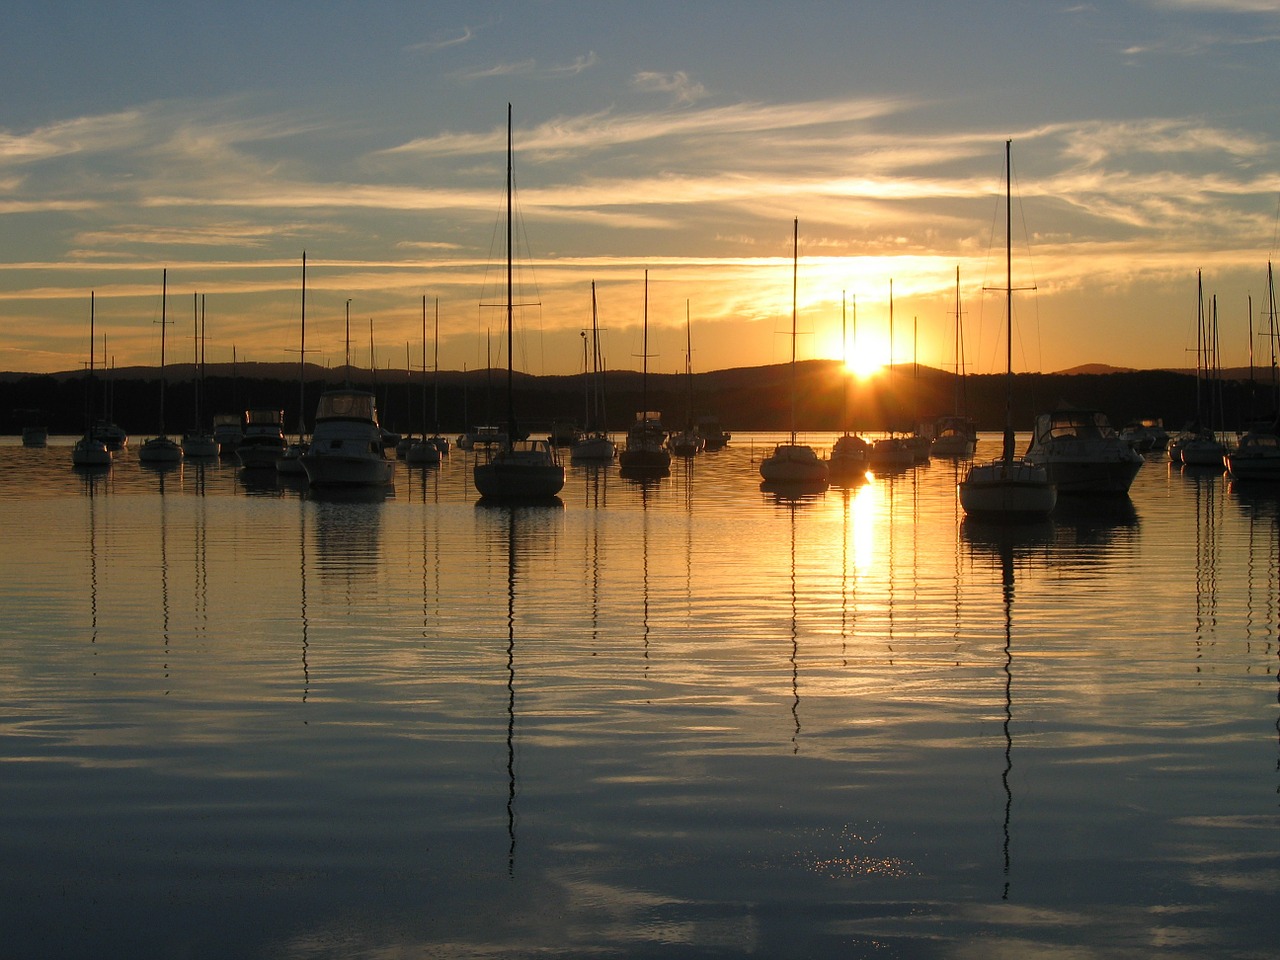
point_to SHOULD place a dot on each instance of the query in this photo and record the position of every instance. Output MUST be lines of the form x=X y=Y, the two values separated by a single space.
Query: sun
x=868 y=355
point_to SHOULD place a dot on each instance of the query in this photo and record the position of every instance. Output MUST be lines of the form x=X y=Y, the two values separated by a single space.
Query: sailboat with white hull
x=1008 y=489
x=794 y=463
x=161 y=449
x=519 y=469
x=424 y=452
x=645 y=453
x=850 y=453
x=595 y=444
x=956 y=435
x=197 y=442
x=89 y=451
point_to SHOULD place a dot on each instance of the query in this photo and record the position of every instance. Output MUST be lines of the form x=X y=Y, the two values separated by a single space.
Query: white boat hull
x=90 y=453
x=343 y=470
x=529 y=471
x=199 y=447
x=422 y=453
x=1009 y=491
x=160 y=450
x=793 y=463
x=593 y=448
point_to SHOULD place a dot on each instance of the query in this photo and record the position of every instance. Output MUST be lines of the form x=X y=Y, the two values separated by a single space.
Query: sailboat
x=1008 y=488
x=196 y=442
x=791 y=462
x=645 y=453
x=892 y=452
x=688 y=442
x=956 y=435
x=289 y=462
x=520 y=469
x=595 y=443
x=113 y=435
x=441 y=442
x=1198 y=444
x=1257 y=455
x=424 y=452
x=849 y=455
x=161 y=449
x=89 y=451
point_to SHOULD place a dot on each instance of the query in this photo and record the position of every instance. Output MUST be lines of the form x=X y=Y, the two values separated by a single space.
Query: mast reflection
x=1004 y=542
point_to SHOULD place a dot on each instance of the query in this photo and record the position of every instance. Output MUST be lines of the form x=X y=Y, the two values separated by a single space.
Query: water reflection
x=1002 y=542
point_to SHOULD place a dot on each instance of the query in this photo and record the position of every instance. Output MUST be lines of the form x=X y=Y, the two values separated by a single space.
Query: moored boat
x=645 y=452
x=1082 y=453
x=161 y=449
x=1008 y=490
x=346 y=444
x=263 y=442
x=792 y=462
x=520 y=469
x=89 y=451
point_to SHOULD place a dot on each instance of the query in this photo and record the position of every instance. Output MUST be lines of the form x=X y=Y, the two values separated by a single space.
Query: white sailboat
x=849 y=455
x=645 y=453
x=1008 y=489
x=89 y=451
x=424 y=452
x=197 y=442
x=688 y=442
x=289 y=462
x=892 y=452
x=595 y=443
x=792 y=462
x=956 y=435
x=161 y=449
x=520 y=469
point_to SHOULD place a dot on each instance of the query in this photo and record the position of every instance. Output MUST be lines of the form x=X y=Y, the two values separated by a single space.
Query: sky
x=221 y=141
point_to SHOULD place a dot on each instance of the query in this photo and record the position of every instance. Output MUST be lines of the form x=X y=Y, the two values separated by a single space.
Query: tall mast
x=88 y=393
x=164 y=299
x=302 y=357
x=644 y=353
x=424 y=359
x=688 y=365
x=1008 y=300
x=795 y=274
x=511 y=406
x=435 y=372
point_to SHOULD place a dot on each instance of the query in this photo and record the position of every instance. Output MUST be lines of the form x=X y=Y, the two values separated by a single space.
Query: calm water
x=682 y=719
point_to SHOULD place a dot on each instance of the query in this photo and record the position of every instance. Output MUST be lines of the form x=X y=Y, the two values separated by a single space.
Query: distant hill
x=1092 y=368
x=745 y=398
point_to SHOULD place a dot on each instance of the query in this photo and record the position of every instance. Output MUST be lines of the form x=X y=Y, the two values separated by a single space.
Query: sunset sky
x=221 y=140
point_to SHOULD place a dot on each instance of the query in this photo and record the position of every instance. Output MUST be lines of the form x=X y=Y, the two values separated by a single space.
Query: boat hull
x=422 y=453
x=160 y=450
x=952 y=445
x=1093 y=477
x=259 y=456
x=525 y=472
x=346 y=470
x=793 y=463
x=1007 y=491
x=592 y=449
x=90 y=453
x=203 y=446
x=892 y=453
x=290 y=462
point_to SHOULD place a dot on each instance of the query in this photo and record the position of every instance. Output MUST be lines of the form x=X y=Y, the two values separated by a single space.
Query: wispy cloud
x=464 y=35
x=679 y=85
x=529 y=68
